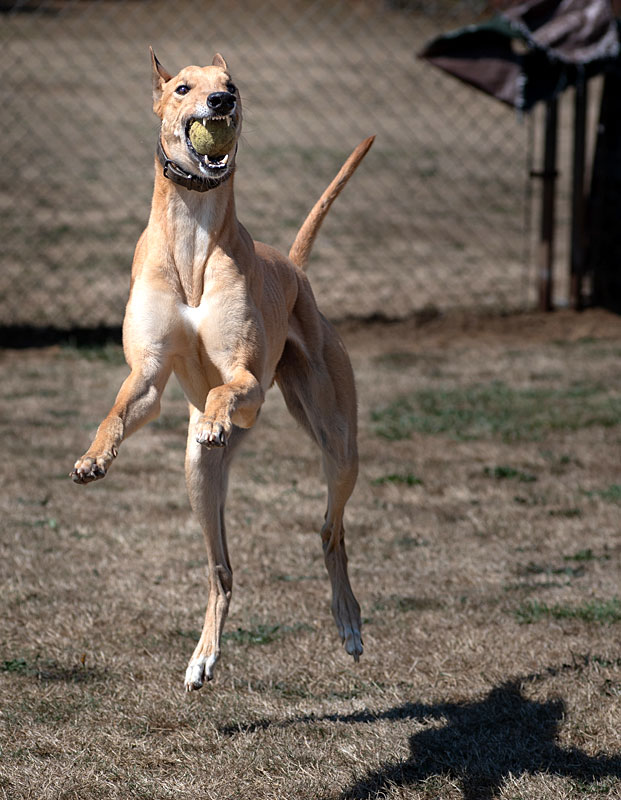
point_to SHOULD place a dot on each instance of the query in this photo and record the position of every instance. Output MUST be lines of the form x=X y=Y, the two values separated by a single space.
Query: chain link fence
x=435 y=218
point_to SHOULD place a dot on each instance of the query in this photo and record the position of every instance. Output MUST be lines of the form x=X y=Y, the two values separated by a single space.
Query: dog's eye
x=230 y=87
x=183 y=89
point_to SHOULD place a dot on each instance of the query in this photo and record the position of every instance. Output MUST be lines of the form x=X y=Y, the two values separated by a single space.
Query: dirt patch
x=487 y=567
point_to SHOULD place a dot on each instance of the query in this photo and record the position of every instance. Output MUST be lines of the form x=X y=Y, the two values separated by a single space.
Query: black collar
x=173 y=172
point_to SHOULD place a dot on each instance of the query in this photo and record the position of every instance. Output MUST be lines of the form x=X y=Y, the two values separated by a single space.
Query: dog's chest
x=194 y=316
x=194 y=361
x=212 y=337
x=191 y=248
x=193 y=225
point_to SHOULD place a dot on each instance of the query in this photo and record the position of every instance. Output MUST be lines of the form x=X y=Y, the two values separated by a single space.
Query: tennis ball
x=214 y=139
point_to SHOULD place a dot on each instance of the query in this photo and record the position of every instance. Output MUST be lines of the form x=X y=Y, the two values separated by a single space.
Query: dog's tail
x=301 y=248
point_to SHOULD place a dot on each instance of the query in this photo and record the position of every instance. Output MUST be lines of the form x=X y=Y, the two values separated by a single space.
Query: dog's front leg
x=137 y=402
x=207 y=476
x=234 y=403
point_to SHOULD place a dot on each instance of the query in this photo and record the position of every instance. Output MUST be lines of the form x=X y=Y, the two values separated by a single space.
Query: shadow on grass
x=52 y=671
x=479 y=745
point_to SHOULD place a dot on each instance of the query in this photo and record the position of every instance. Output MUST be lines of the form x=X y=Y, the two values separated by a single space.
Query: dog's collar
x=196 y=183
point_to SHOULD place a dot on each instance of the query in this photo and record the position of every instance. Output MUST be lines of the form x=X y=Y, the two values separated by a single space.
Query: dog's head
x=196 y=94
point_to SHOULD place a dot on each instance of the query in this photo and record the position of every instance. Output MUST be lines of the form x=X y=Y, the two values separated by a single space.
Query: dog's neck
x=194 y=225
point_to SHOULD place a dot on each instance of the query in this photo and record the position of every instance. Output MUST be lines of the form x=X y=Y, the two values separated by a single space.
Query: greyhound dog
x=229 y=316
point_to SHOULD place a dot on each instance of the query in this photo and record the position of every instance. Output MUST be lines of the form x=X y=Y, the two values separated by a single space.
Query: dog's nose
x=223 y=102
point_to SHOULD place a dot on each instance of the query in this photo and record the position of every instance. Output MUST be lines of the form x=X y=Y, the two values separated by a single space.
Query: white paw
x=198 y=672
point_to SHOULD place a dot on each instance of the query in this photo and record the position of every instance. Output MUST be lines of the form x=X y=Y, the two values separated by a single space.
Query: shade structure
x=530 y=52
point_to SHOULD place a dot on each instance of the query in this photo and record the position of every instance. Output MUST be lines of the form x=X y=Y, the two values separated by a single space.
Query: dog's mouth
x=211 y=141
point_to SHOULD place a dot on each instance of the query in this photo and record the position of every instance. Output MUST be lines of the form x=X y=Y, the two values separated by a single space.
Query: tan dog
x=228 y=316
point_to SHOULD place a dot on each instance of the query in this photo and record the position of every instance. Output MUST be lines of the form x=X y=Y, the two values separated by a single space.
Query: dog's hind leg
x=320 y=394
x=207 y=477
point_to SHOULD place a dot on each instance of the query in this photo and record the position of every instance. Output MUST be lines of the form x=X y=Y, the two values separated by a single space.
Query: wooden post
x=604 y=246
x=577 y=257
x=545 y=255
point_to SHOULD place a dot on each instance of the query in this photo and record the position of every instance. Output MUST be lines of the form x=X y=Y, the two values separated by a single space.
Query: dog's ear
x=218 y=61
x=160 y=77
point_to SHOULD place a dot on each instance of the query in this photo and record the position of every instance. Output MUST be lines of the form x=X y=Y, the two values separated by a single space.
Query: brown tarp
x=532 y=51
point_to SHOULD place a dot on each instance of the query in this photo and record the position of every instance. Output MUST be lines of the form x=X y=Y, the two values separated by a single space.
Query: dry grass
x=487 y=567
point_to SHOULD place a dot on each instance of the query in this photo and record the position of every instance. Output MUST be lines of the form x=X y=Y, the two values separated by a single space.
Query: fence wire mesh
x=434 y=218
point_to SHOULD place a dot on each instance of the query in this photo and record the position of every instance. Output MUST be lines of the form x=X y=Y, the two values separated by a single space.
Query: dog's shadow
x=479 y=745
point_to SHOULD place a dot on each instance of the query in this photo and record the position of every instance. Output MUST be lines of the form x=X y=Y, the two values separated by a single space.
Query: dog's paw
x=88 y=469
x=353 y=642
x=199 y=671
x=210 y=433
x=347 y=618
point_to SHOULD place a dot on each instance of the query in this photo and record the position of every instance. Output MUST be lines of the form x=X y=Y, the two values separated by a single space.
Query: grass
x=405 y=478
x=257 y=634
x=48 y=670
x=264 y=633
x=405 y=604
x=15 y=665
x=497 y=410
x=533 y=568
x=612 y=494
x=504 y=472
x=594 y=611
x=103 y=591
x=587 y=554
x=108 y=352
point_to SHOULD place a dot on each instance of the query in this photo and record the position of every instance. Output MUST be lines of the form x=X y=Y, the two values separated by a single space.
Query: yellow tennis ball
x=216 y=138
